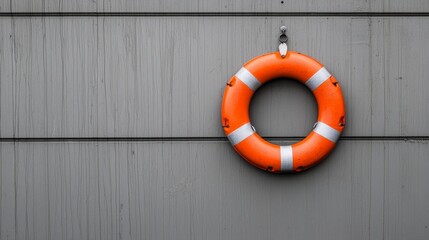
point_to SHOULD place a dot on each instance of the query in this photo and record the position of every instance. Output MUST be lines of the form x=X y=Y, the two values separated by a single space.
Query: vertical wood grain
x=7 y=104
x=195 y=190
x=7 y=191
x=32 y=205
x=160 y=77
x=164 y=77
x=214 y=6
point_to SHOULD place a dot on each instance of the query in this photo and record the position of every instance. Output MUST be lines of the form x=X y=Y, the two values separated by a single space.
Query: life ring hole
x=225 y=123
x=342 y=121
x=300 y=169
x=283 y=108
x=333 y=81
x=231 y=82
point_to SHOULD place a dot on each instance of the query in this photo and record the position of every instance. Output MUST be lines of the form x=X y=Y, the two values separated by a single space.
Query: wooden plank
x=405 y=92
x=75 y=192
x=7 y=191
x=404 y=193
x=214 y=6
x=164 y=77
x=6 y=76
x=204 y=190
x=31 y=190
x=377 y=172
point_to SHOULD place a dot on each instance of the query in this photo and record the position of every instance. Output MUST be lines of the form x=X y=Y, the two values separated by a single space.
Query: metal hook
x=283 y=39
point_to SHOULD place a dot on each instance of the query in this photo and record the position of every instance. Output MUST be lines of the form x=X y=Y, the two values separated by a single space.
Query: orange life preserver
x=265 y=155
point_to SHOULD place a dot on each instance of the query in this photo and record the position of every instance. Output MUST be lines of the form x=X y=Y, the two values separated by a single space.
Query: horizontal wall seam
x=207 y=139
x=214 y=14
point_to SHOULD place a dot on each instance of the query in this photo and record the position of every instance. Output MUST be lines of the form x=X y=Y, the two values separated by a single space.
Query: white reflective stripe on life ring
x=241 y=133
x=286 y=158
x=247 y=78
x=327 y=131
x=317 y=79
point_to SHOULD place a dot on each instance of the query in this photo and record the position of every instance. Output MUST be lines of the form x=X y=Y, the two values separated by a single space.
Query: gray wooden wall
x=110 y=124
